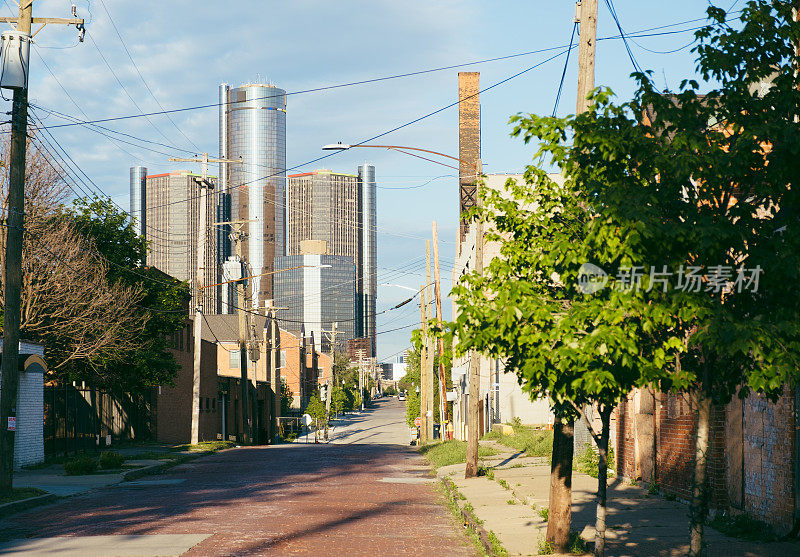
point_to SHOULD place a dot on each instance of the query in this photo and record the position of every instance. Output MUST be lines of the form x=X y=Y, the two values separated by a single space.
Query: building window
x=234 y=359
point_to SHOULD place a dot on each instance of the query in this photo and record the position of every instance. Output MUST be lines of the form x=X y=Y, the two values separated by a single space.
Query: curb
x=15 y=507
x=467 y=518
x=154 y=469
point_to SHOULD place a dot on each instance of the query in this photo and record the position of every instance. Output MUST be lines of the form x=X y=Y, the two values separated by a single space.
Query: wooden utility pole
x=560 y=501
x=443 y=417
x=586 y=14
x=423 y=368
x=329 y=380
x=474 y=398
x=204 y=185
x=275 y=372
x=429 y=372
x=15 y=221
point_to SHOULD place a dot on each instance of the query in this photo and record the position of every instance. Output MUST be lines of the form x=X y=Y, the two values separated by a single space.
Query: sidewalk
x=638 y=524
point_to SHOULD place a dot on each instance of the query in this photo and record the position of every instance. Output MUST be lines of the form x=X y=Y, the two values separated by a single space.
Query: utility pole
x=329 y=382
x=560 y=498
x=429 y=348
x=361 y=380
x=443 y=418
x=204 y=184
x=15 y=221
x=238 y=236
x=423 y=368
x=275 y=373
x=586 y=15
x=474 y=399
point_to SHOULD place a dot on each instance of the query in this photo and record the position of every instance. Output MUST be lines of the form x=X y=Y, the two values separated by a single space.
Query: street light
x=402 y=149
x=400 y=286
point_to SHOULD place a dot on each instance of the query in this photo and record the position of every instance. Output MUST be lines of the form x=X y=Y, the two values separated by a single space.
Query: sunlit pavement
x=365 y=493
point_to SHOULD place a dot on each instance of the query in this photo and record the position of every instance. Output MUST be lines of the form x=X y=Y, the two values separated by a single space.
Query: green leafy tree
x=287 y=398
x=665 y=182
x=162 y=305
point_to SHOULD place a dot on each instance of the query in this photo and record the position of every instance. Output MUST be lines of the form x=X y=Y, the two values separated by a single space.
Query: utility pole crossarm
x=46 y=20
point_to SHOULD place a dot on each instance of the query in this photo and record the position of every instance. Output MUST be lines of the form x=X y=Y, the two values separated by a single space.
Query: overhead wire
x=564 y=73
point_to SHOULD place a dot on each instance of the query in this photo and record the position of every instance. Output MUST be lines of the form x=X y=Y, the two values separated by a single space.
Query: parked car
x=401 y=396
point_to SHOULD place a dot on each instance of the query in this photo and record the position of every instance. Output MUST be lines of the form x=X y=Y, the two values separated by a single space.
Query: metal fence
x=78 y=419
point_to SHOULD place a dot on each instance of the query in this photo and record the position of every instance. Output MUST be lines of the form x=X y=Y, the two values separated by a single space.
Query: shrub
x=110 y=460
x=80 y=465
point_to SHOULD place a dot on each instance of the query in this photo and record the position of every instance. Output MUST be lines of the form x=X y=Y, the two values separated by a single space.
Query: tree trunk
x=697 y=511
x=560 y=512
x=602 y=484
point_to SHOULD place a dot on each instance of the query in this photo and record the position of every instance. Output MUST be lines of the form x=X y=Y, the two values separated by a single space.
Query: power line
x=636 y=67
x=136 y=67
x=564 y=73
x=637 y=34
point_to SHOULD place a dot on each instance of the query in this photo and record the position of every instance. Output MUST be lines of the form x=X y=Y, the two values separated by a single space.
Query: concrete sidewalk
x=638 y=524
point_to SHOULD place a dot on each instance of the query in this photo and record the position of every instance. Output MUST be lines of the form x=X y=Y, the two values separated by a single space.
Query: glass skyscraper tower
x=252 y=121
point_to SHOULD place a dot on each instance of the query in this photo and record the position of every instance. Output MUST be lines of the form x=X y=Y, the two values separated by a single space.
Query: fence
x=78 y=419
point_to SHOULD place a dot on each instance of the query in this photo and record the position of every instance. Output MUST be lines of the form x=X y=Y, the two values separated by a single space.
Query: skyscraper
x=137 y=198
x=367 y=266
x=172 y=215
x=339 y=210
x=317 y=291
x=253 y=129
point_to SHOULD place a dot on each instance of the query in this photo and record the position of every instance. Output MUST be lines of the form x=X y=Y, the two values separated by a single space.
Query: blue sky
x=184 y=49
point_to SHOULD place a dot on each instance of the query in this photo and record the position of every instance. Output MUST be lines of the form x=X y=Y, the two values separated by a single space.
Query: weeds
x=497 y=548
x=533 y=442
x=544 y=512
x=577 y=545
x=654 y=488
x=670 y=497
x=486 y=471
x=512 y=502
x=503 y=484
x=589 y=460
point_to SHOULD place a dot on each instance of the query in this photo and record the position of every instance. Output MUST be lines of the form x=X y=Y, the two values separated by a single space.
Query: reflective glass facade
x=137 y=199
x=172 y=230
x=368 y=256
x=317 y=294
x=253 y=128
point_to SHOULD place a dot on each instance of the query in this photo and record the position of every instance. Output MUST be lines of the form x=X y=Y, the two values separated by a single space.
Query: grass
x=206 y=446
x=511 y=502
x=154 y=455
x=577 y=545
x=743 y=527
x=452 y=495
x=531 y=441
x=19 y=493
x=451 y=452
x=544 y=513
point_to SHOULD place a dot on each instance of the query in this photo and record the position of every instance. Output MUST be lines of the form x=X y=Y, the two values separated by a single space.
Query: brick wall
x=767 y=463
x=174 y=403
x=750 y=461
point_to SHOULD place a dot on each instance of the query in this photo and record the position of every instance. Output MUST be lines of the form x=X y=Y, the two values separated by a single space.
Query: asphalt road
x=364 y=494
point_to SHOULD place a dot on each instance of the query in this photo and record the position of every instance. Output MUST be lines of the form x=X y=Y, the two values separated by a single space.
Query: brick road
x=352 y=499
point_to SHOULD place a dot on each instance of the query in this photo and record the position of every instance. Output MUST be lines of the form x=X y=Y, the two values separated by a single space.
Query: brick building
x=174 y=403
x=753 y=460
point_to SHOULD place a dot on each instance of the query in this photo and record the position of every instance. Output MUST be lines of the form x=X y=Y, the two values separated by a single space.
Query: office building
x=317 y=291
x=252 y=128
x=367 y=264
x=339 y=210
x=137 y=199
x=172 y=211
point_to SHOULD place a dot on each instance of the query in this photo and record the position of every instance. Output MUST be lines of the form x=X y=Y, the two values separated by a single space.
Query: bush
x=389 y=391
x=111 y=460
x=80 y=465
x=590 y=459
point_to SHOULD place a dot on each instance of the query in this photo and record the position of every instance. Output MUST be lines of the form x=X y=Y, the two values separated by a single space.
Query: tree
x=287 y=398
x=699 y=192
x=316 y=409
x=163 y=298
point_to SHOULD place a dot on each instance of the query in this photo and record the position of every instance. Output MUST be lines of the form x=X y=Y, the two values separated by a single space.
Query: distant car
x=401 y=396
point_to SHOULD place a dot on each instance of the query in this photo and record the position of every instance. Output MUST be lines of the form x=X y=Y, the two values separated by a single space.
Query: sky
x=173 y=55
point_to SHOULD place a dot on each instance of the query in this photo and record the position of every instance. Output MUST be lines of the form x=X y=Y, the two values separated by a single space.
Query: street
x=363 y=494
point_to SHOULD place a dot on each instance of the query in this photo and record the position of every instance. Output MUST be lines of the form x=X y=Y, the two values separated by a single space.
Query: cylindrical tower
x=138 y=200
x=256 y=132
x=368 y=256
x=226 y=292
